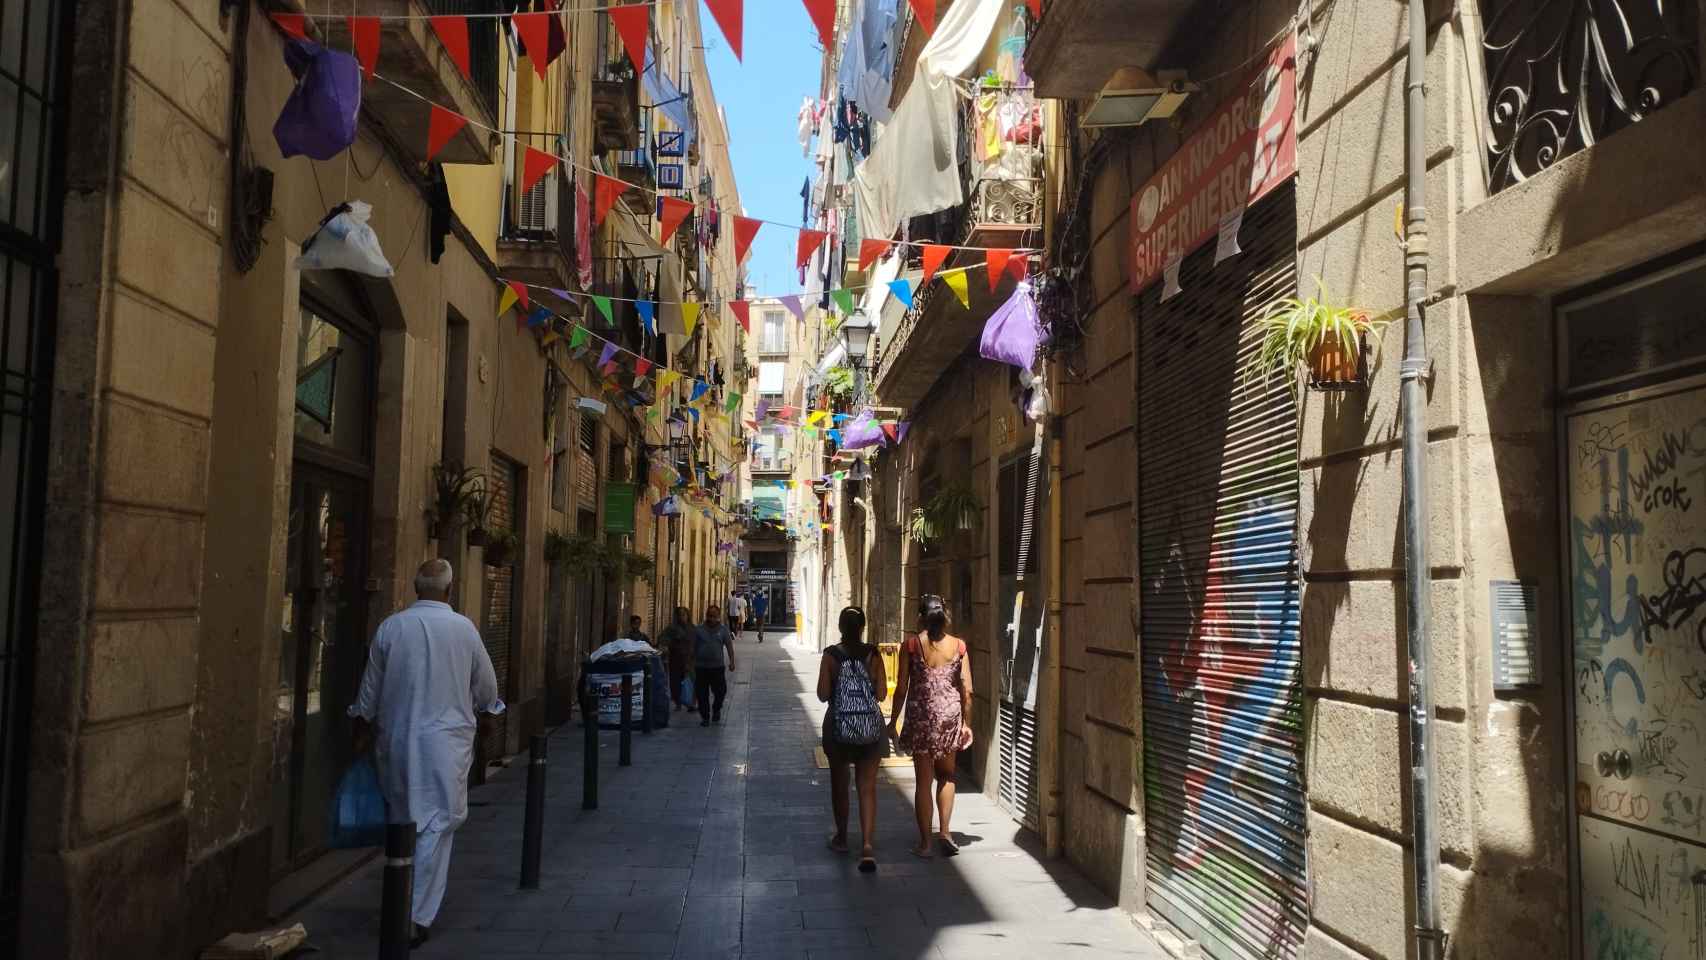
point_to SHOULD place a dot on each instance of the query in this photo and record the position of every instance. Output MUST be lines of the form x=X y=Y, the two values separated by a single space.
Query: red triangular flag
x=364 y=32
x=728 y=16
x=870 y=251
x=605 y=191
x=889 y=429
x=443 y=125
x=674 y=210
x=521 y=294
x=808 y=243
x=743 y=313
x=934 y=255
x=1036 y=8
x=534 y=29
x=925 y=11
x=641 y=366
x=1018 y=267
x=634 y=23
x=997 y=262
x=453 y=33
x=294 y=24
x=559 y=39
x=823 y=14
x=535 y=165
x=745 y=229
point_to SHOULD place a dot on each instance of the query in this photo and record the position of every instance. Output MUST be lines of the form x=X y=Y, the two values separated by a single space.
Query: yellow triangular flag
x=666 y=378
x=506 y=301
x=956 y=282
x=549 y=339
x=690 y=315
x=817 y=417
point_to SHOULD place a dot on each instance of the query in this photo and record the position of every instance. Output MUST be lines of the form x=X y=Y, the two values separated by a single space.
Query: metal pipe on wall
x=1424 y=805
x=1052 y=757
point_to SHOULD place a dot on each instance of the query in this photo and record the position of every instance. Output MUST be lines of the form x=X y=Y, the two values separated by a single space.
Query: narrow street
x=713 y=845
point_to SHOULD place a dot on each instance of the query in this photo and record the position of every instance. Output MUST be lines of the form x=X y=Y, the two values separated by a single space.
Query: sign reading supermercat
x=1243 y=150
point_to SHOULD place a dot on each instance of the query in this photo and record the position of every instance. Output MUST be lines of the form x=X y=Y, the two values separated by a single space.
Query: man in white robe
x=427 y=674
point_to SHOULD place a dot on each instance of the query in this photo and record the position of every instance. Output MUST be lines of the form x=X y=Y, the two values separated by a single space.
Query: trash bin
x=605 y=675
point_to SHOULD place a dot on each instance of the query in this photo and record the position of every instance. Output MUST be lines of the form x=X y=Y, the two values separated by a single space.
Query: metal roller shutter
x=1218 y=491
x=499 y=617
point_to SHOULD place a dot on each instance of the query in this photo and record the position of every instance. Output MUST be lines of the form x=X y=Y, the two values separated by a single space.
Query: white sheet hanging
x=912 y=170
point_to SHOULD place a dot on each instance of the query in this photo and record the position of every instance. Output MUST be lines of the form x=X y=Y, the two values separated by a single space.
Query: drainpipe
x=1424 y=805
x=1052 y=757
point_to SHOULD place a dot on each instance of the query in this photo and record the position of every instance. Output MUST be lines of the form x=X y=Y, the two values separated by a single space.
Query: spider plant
x=1315 y=334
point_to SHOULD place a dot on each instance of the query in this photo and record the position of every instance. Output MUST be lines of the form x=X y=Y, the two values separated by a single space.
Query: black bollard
x=533 y=826
x=625 y=757
x=396 y=920
x=589 y=753
x=646 y=700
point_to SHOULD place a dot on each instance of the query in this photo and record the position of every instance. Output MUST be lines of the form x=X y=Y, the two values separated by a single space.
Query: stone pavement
x=713 y=845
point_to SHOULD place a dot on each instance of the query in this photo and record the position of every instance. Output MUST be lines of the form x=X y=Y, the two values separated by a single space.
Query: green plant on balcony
x=633 y=566
x=579 y=556
x=500 y=544
x=954 y=508
x=838 y=381
x=476 y=507
x=1314 y=335
x=452 y=484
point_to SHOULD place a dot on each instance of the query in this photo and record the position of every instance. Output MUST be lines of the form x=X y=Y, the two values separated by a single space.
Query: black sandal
x=867 y=864
x=949 y=847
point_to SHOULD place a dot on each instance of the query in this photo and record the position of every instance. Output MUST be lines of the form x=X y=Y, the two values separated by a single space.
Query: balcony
x=639 y=168
x=411 y=55
x=616 y=106
x=627 y=279
x=536 y=228
x=1080 y=43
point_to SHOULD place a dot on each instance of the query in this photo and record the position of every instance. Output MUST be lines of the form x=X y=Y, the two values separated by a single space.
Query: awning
x=667 y=97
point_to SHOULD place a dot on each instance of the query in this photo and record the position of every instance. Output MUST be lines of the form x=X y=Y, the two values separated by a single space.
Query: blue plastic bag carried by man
x=358 y=807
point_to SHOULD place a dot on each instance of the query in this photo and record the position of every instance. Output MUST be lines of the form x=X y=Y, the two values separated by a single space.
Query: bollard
x=396 y=920
x=625 y=756
x=533 y=826
x=646 y=701
x=589 y=752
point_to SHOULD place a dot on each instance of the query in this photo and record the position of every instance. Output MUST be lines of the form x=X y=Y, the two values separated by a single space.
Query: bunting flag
x=925 y=11
x=997 y=260
x=603 y=305
x=807 y=245
x=642 y=366
x=1036 y=8
x=648 y=315
x=1018 y=266
x=759 y=411
x=728 y=15
x=549 y=338
x=666 y=378
x=534 y=29
x=521 y=294
x=609 y=370
x=605 y=192
x=889 y=429
x=792 y=302
x=745 y=229
x=577 y=338
x=935 y=254
x=536 y=164
x=743 y=313
x=900 y=431
x=844 y=300
x=699 y=388
x=672 y=211
x=817 y=417
x=690 y=315
x=453 y=34
x=293 y=24
x=364 y=34
x=870 y=251
x=823 y=15
x=607 y=354
x=540 y=316
x=902 y=289
x=956 y=280
x=509 y=299
x=441 y=128
x=634 y=24
x=733 y=403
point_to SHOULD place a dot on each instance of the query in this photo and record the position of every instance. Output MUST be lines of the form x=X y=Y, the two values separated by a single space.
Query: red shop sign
x=1246 y=148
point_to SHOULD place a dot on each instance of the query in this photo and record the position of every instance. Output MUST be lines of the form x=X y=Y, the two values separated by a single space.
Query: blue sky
x=761 y=96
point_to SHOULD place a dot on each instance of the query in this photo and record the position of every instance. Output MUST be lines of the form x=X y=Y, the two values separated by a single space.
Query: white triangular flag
x=1227 y=245
x=1170 y=288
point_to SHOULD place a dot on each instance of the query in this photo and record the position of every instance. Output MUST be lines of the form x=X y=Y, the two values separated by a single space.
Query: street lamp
x=856 y=333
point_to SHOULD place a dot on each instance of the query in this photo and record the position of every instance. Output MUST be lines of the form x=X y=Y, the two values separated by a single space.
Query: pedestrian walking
x=634 y=631
x=848 y=679
x=678 y=640
x=710 y=669
x=737 y=613
x=427 y=674
x=760 y=607
x=935 y=688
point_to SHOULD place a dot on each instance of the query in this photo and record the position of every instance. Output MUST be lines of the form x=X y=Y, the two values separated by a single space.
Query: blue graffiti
x=1595 y=541
x=1616 y=668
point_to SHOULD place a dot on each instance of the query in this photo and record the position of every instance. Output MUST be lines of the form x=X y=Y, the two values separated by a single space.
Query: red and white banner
x=1245 y=149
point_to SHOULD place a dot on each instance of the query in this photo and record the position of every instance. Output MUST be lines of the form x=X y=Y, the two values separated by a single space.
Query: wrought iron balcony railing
x=482 y=44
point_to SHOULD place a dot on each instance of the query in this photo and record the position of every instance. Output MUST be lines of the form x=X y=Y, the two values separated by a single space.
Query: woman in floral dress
x=934 y=686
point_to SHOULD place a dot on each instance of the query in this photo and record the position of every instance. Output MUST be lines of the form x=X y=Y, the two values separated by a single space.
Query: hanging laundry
x=438 y=201
x=807 y=120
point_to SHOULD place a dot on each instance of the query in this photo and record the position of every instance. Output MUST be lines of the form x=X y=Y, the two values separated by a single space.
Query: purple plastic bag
x=1012 y=333
x=319 y=119
x=863 y=432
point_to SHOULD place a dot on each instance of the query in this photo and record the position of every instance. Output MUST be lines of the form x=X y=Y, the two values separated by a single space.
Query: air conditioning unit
x=538 y=208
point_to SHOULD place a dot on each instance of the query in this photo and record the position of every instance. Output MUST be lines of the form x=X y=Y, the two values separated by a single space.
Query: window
x=774 y=338
x=618 y=462
x=589 y=433
x=332 y=385
x=770 y=376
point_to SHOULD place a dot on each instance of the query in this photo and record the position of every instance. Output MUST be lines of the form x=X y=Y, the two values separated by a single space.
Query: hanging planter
x=500 y=544
x=954 y=508
x=1312 y=336
x=478 y=537
x=454 y=486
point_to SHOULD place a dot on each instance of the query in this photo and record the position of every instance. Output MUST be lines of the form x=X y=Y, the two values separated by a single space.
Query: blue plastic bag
x=687 y=691
x=358 y=808
x=319 y=118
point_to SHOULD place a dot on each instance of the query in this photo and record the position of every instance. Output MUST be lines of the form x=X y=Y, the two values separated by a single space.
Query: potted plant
x=499 y=545
x=634 y=566
x=475 y=508
x=451 y=483
x=838 y=381
x=556 y=548
x=954 y=507
x=1315 y=335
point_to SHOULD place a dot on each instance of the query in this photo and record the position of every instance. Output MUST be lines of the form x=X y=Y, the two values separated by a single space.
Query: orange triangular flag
x=925 y=11
x=808 y=243
x=674 y=210
x=453 y=33
x=441 y=128
x=1036 y=8
x=870 y=251
x=535 y=165
x=997 y=263
x=743 y=313
x=534 y=29
x=634 y=23
x=364 y=32
x=294 y=24
x=1018 y=267
x=745 y=229
x=605 y=191
x=823 y=15
x=728 y=16
x=934 y=256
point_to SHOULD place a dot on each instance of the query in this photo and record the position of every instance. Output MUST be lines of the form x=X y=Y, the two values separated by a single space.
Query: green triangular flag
x=733 y=402
x=578 y=338
x=844 y=299
x=603 y=305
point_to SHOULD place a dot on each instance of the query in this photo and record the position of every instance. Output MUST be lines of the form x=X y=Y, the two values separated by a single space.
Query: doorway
x=1019 y=489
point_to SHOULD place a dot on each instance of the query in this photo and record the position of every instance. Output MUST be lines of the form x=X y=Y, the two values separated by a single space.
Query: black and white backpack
x=855 y=718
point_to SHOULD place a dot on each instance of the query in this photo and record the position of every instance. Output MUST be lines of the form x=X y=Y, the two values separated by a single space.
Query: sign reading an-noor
x=1246 y=148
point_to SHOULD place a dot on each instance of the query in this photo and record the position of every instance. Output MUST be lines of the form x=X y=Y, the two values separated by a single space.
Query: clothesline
x=654 y=4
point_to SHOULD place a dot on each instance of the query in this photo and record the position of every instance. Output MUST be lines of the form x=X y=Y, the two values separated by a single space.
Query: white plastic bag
x=344 y=241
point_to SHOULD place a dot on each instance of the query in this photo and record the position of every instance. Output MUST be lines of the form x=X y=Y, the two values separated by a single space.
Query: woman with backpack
x=935 y=688
x=848 y=680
